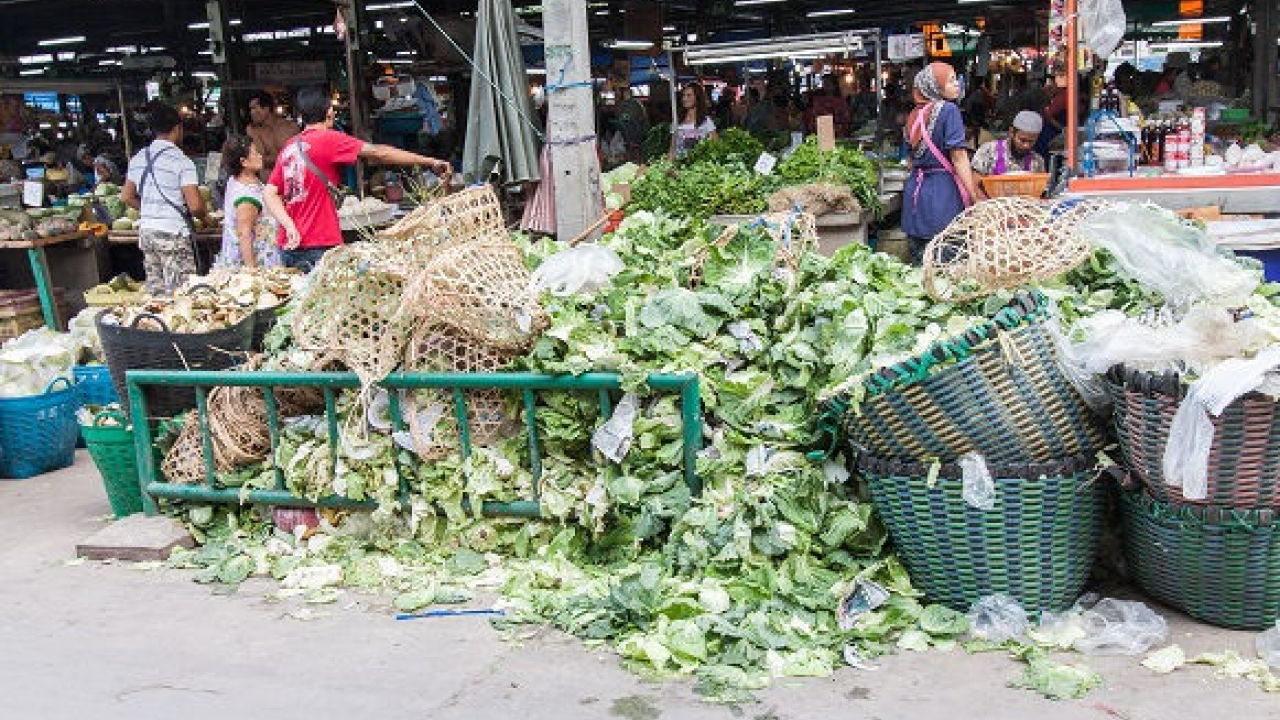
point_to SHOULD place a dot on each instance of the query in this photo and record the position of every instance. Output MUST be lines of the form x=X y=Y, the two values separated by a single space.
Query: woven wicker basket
x=1219 y=565
x=1037 y=544
x=1004 y=397
x=1030 y=185
x=1244 y=462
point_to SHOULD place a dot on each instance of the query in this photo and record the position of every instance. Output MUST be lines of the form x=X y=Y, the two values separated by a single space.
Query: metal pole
x=571 y=122
x=671 y=90
x=124 y=122
x=355 y=90
x=1072 y=81
x=879 y=113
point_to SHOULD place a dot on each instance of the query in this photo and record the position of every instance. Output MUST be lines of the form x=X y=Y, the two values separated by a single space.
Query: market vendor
x=300 y=192
x=941 y=183
x=267 y=128
x=163 y=184
x=105 y=171
x=1014 y=153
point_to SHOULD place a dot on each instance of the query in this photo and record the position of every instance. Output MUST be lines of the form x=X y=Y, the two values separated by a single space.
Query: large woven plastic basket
x=996 y=390
x=1037 y=543
x=1244 y=461
x=135 y=348
x=1219 y=565
x=112 y=450
x=94 y=385
x=38 y=433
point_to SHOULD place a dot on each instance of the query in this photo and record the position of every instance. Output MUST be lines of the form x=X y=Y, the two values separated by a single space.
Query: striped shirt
x=171 y=171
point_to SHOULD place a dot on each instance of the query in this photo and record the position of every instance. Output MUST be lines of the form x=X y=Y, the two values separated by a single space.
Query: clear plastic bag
x=1203 y=337
x=1120 y=627
x=613 y=438
x=1186 y=453
x=864 y=597
x=1268 y=646
x=1179 y=260
x=997 y=618
x=979 y=488
x=582 y=268
x=1104 y=25
x=1071 y=362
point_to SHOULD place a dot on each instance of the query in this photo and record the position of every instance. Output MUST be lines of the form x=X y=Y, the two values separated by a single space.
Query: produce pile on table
x=755 y=578
x=717 y=178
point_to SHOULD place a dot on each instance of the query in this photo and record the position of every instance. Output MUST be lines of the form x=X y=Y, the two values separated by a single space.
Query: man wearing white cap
x=1017 y=152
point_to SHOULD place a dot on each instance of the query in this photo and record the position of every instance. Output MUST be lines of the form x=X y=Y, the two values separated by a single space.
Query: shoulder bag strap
x=335 y=192
x=202 y=264
x=1000 y=167
x=942 y=159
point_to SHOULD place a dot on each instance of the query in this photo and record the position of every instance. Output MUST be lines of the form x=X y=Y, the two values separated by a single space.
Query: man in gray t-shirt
x=163 y=185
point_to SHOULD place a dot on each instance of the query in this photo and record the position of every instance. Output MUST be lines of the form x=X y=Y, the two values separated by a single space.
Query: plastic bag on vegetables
x=29 y=362
x=613 y=438
x=582 y=268
x=1176 y=258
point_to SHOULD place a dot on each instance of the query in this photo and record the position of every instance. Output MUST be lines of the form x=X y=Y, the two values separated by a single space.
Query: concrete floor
x=109 y=641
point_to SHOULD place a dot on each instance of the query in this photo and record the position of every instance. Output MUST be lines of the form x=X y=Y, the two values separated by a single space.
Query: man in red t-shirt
x=299 y=198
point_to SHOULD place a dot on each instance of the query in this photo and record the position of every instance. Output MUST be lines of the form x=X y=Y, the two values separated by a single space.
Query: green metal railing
x=330 y=383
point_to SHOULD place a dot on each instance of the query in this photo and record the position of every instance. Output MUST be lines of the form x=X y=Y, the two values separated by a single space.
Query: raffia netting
x=184 y=463
x=469 y=213
x=815 y=199
x=1005 y=243
x=351 y=313
x=482 y=289
x=795 y=234
x=444 y=349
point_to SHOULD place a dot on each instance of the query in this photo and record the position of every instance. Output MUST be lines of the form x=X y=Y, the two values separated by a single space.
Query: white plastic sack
x=1104 y=25
x=1120 y=627
x=582 y=268
x=1268 y=646
x=1186 y=453
x=1179 y=260
x=997 y=618
x=979 y=488
x=613 y=438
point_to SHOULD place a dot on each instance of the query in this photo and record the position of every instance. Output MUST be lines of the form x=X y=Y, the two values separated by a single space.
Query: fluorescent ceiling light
x=766 y=54
x=830 y=13
x=668 y=28
x=205 y=52
x=199 y=25
x=974 y=2
x=1185 y=45
x=389 y=61
x=746 y=3
x=537 y=71
x=124 y=49
x=105 y=63
x=36 y=71
x=1191 y=21
x=389 y=6
x=204 y=74
x=631 y=44
x=35 y=59
x=406 y=52
x=64 y=56
x=61 y=41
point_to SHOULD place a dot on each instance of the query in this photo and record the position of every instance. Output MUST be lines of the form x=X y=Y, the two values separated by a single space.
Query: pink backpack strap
x=942 y=159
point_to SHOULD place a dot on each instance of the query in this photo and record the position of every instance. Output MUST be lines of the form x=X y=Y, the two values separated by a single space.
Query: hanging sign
x=906 y=47
x=293 y=72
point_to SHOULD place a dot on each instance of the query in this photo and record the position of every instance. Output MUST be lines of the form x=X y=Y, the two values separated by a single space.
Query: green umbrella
x=500 y=129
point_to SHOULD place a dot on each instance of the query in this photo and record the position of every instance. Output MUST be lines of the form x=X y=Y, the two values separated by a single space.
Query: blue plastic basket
x=38 y=433
x=94 y=384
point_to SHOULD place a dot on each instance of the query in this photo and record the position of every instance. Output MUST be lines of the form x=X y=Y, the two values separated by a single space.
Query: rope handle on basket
x=829 y=428
x=152 y=317
x=109 y=415
x=50 y=387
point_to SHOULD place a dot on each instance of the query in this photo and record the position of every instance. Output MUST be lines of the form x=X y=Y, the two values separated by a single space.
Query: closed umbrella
x=500 y=128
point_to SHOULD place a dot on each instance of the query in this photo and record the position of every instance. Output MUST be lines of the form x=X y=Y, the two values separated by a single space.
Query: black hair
x=234 y=152
x=313 y=105
x=265 y=99
x=162 y=118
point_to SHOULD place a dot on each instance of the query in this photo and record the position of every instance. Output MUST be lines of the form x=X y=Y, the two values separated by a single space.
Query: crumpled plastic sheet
x=997 y=618
x=1268 y=646
x=979 y=489
x=613 y=439
x=1120 y=627
x=582 y=268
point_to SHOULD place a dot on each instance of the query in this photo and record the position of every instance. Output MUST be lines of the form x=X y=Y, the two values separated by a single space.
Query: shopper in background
x=164 y=187
x=941 y=183
x=267 y=128
x=696 y=124
x=828 y=101
x=105 y=171
x=1054 y=114
x=302 y=189
x=631 y=118
x=248 y=233
x=1015 y=153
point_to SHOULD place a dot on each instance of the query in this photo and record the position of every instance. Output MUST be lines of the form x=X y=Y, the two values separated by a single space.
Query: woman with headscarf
x=941 y=183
